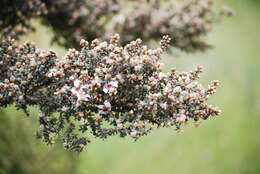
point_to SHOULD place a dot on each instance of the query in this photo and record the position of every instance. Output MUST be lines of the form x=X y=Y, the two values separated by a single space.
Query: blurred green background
x=226 y=144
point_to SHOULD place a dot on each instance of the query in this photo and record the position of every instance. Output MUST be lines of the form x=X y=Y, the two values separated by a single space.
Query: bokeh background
x=229 y=143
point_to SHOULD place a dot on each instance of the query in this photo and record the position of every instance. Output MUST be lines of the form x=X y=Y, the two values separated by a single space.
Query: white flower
x=138 y=67
x=162 y=76
x=184 y=79
x=134 y=134
x=177 y=89
x=51 y=72
x=163 y=105
x=78 y=91
x=71 y=78
x=64 y=108
x=103 y=45
x=83 y=97
x=77 y=83
x=111 y=87
x=105 y=108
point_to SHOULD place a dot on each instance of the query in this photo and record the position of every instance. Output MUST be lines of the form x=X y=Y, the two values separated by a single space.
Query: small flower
x=134 y=134
x=164 y=105
x=77 y=84
x=84 y=43
x=177 y=90
x=105 y=108
x=138 y=67
x=83 y=97
x=111 y=87
x=78 y=91
x=162 y=76
x=64 y=108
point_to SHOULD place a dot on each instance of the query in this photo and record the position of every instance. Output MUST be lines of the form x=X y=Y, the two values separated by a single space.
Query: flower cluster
x=101 y=90
x=187 y=22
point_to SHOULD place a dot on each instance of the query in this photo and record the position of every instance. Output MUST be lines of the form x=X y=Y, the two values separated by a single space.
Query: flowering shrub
x=101 y=90
x=187 y=22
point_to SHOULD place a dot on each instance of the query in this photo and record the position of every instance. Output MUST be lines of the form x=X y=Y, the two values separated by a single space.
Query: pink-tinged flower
x=184 y=78
x=111 y=87
x=51 y=73
x=77 y=84
x=78 y=91
x=105 y=108
x=83 y=97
